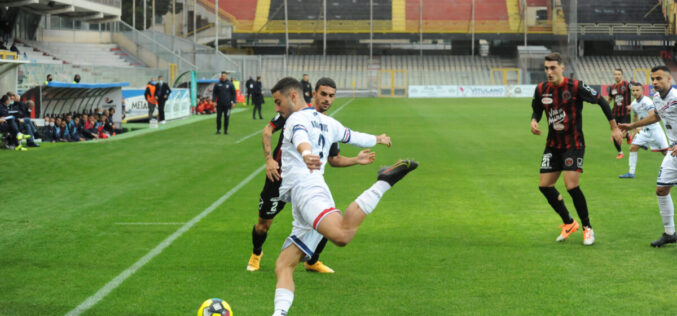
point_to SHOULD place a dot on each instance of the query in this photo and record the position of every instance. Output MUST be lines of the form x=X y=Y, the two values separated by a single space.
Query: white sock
x=283 y=300
x=369 y=198
x=633 y=161
x=667 y=213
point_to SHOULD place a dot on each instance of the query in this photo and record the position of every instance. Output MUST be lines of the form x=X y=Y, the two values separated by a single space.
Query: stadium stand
x=88 y=54
x=599 y=69
x=425 y=70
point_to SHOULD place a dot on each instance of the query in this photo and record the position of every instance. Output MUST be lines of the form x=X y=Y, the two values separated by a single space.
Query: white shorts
x=667 y=175
x=652 y=138
x=311 y=202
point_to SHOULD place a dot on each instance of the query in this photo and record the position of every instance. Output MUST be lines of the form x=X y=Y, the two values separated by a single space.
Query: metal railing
x=157 y=48
x=622 y=28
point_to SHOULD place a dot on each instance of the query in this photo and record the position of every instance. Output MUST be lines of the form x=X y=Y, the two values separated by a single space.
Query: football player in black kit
x=307 y=89
x=269 y=205
x=562 y=100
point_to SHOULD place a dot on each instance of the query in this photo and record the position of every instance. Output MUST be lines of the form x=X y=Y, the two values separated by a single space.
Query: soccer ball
x=215 y=307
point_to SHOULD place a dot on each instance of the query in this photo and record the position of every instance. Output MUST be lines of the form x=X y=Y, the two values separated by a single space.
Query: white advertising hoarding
x=462 y=91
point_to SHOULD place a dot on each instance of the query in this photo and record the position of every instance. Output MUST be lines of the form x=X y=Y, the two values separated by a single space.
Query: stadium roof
x=91 y=11
x=56 y=84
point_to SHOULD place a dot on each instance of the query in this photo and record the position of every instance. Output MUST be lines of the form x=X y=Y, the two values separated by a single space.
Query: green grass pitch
x=468 y=233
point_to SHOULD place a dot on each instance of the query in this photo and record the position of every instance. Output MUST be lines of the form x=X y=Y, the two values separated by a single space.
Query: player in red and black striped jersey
x=269 y=203
x=562 y=100
x=620 y=95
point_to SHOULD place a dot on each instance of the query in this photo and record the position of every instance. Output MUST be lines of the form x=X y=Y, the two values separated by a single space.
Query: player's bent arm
x=652 y=118
x=365 y=157
x=341 y=161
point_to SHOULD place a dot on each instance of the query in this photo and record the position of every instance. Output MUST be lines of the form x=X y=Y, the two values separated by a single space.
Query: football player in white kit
x=650 y=136
x=665 y=103
x=308 y=136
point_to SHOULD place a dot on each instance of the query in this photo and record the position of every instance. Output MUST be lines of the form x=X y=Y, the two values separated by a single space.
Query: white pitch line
x=250 y=135
x=259 y=132
x=114 y=283
x=341 y=108
x=149 y=223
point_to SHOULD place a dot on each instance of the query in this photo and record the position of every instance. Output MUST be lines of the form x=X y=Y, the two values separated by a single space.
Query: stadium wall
x=70 y=36
x=147 y=56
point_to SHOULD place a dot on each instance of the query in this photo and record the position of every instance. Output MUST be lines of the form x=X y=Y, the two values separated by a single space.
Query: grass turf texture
x=466 y=233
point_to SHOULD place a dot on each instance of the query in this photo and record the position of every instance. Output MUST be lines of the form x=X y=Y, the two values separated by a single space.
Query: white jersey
x=642 y=107
x=307 y=125
x=666 y=108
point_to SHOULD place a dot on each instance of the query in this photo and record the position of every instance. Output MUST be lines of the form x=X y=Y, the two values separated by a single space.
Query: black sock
x=318 y=251
x=258 y=241
x=552 y=195
x=581 y=205
x=618 y=146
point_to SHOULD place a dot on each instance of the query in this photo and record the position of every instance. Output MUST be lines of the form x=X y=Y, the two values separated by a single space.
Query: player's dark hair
x=325 y=82
x=618 y=69
x=224 y=73
x=661 y=67
x=554 y=57
x=287 y=84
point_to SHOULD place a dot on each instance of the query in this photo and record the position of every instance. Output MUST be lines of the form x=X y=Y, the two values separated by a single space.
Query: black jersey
x=563 y=104
x=620 y=93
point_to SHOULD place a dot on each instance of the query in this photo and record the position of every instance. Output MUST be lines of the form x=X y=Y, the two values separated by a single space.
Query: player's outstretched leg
x=341 y=230
x=314 y=264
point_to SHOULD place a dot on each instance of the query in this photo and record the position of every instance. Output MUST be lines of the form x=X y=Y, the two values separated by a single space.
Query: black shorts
x=623 y=119
x=555 y=160
x=269 y=203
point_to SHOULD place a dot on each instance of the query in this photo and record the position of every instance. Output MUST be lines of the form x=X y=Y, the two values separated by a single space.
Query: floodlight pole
x=371 y=30
x=173 y=18
x=144 y=14
x=420 y=27
x=153 y=17
x=472 y=31
x=524 y=15
x=194 y=23
x=324 y=32
x=134 y=14
x=286 y=37
x=216 y=25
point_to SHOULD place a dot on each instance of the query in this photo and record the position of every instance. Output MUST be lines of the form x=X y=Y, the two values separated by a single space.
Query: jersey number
x=321 y=142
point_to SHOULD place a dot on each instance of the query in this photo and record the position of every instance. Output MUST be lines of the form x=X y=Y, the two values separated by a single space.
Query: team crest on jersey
x=623 y=89
x=569 y=162
x=546 y=100
x=566 y=95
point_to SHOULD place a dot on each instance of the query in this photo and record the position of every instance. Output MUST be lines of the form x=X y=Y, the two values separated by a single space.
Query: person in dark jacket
x=257 y=97
x=224 y=96
x=307 y=89
x=8 y=124
x=249 y=85
x=163 y=92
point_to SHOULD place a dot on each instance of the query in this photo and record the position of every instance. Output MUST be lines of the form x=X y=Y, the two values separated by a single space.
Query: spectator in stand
x=163 y=94
x=151 y=97
x=76 y=78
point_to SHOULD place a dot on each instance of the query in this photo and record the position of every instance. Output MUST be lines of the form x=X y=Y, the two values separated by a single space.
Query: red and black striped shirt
x=563 y=104
x=620 y=94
